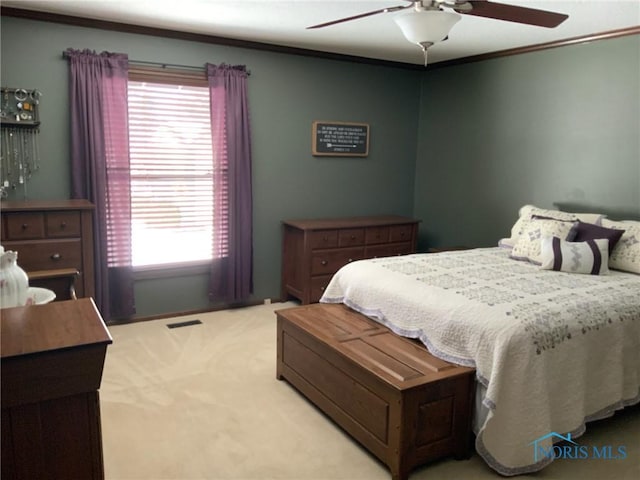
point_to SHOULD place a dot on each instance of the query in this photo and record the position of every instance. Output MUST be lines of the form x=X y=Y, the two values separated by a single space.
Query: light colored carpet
x=202 y=402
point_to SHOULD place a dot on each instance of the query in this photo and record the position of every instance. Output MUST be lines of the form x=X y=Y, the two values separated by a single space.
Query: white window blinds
x=171 y=173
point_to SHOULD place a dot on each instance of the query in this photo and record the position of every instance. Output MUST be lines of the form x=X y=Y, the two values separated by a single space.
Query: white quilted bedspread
x=554 y=350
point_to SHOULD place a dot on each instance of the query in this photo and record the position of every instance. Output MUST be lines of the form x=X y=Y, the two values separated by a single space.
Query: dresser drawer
x=389 y=250
x=376 y=235
x=330 y=261
x=318 y=286
x=23 y=226
x=63 y=224
x=401 y=233
x=351 y=237
x=323 y=239
x=48 y=254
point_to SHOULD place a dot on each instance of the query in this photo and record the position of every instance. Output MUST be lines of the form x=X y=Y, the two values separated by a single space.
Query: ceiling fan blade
x=362 y=15
x=512 y=13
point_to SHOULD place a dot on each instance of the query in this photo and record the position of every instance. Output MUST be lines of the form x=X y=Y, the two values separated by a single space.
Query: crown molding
x=622 y=32
x=232 y=42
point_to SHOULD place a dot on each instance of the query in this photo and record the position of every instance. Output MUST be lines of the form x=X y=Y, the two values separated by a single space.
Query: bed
x=552 y=350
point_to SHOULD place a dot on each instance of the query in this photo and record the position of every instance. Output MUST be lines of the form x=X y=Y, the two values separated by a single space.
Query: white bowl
x=39 y=296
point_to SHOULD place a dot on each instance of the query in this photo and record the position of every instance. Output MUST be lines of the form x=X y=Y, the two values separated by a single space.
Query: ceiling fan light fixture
x=426 y=27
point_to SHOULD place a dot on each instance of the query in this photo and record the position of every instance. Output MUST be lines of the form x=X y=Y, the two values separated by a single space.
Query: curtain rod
x=162 y=65
x=165 y=65
x=173 y=65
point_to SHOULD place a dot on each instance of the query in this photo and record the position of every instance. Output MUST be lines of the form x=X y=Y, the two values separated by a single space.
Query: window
x=172 y=169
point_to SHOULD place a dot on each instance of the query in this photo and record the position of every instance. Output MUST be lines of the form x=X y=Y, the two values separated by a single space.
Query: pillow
x=589 y=231
x=591 y=256
x=594 y=218
x=528 y=245
x=524 y=215
x=527 y=211
x=626 y=254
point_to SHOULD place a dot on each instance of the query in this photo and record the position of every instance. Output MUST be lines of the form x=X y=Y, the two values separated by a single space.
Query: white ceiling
x=284 y=23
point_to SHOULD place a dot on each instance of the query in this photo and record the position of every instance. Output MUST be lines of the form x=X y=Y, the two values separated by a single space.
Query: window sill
x=171 y=270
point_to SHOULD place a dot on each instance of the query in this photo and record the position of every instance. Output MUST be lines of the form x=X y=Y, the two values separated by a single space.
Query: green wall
x=286 y=93
x=559 y=127
x=461 y=147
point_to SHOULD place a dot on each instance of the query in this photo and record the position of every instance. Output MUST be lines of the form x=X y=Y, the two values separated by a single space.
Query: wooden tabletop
x=39 y=205
x=54 y=326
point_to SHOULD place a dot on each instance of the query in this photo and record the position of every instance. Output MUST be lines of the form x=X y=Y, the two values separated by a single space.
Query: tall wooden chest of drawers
x=52 y=357
x=313 y=250
x=52 y=236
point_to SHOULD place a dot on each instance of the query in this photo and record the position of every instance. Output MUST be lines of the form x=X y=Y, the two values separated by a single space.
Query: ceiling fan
x=428 y=23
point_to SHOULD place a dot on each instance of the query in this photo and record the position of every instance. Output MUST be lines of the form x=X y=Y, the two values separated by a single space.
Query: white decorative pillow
x=595 y=218
x=528 y=245
x=626 y=254
x=527 y=211
x=590 y=256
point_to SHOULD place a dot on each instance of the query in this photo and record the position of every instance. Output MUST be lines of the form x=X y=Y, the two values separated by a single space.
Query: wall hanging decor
x=19 y=151
x=339 y=139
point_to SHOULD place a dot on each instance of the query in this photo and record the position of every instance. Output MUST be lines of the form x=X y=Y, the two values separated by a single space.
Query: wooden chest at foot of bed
x=401 y=403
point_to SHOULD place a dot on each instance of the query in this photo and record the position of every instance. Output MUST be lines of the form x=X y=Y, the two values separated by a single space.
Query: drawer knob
x=63 y=225
x=353 y=237
x=322 y=289
x=25 y=226
x=350 y=260
x=323 y=262
x=325 y=239
x=56 y=256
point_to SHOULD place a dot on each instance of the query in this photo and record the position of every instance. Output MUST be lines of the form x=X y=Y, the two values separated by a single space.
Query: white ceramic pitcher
x=14 y=283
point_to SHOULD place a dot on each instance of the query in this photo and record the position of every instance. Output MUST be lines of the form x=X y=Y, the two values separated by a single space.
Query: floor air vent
x=184 y=324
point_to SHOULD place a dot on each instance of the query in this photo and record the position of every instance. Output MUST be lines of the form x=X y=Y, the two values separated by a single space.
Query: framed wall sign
x=340 y=139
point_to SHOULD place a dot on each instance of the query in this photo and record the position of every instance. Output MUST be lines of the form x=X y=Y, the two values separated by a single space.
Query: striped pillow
x=590 y=256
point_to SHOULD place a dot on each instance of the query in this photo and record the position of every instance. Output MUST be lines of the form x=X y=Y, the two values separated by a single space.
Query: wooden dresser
x=54 y=241
x=52 y=360
x=313 y=250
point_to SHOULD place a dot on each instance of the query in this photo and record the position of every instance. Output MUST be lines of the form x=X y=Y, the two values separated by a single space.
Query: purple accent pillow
x=589 y=231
